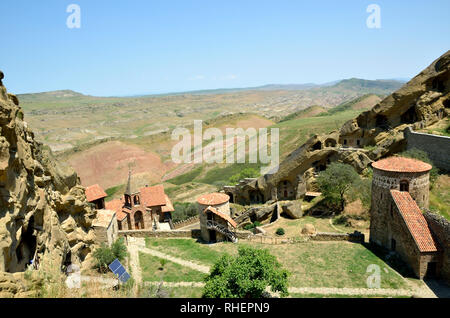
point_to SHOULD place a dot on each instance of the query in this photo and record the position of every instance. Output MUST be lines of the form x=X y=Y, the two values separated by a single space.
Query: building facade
x=216 y=223
x=143 y=208
x=105 y=227
x=400 y=189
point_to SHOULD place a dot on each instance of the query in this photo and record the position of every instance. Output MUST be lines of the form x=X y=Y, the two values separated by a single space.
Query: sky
x=137 y=47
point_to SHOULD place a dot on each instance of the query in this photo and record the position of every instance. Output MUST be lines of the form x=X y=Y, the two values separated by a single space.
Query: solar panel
x=117 y=268
x=125 y=277
x=115 y=265
x=119 y=272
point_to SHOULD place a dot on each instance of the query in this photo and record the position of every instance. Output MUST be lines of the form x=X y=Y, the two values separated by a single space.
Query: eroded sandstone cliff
x=372 y=135
x=44 y=215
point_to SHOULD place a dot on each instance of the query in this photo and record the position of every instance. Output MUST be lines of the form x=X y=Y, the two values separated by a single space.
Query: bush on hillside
x=105 y=255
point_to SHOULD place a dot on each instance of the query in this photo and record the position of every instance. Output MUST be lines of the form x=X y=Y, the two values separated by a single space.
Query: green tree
x=246 y=276
x=105 y=255
x=336 y=181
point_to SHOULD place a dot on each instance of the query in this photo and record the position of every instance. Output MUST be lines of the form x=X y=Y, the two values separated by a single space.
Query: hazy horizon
x=159 y=47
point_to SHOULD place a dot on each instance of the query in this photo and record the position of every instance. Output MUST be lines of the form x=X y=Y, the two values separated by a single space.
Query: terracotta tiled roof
x=168 y=207
x=117 y=206
x=153 y=196
x=95 y=192
x=213 y=198
x=415 y=221
x=401 y=164
x=104 y=218
x=221 y=215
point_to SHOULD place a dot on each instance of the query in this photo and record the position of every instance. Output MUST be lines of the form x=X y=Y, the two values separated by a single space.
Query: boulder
x=292 y=208
x=308 y=229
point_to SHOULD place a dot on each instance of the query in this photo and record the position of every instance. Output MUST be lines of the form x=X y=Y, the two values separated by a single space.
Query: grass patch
x=312 y=264
x=440 y=196
x=172 y=272
x=223 y=174
x=186 y=177
x=113 y=190
x=187 y=249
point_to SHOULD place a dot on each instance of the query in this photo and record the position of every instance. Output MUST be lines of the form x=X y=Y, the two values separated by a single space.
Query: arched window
x=136 y=200
x=404 y=186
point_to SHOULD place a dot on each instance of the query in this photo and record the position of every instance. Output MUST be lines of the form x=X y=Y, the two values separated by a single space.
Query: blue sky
x=141 y=46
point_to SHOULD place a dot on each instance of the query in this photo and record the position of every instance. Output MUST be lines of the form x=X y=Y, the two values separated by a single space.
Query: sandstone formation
x=309 y=229
x=292 y=208
x=44 y=215
x=372 y=135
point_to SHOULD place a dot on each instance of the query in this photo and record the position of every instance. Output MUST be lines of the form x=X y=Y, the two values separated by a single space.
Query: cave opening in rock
x=446 y=103
x=316 y=146
x=409 y=116
x=438 y=85
x=381 y=121
x=26 y=249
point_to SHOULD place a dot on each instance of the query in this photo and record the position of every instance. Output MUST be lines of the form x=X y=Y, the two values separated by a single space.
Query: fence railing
x=212 y=225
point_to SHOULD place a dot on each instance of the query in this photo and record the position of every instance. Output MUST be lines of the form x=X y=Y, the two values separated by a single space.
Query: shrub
x=280 y=231
x=183 y=211
x=335 y=182
x=105 y=255
x=246 y=276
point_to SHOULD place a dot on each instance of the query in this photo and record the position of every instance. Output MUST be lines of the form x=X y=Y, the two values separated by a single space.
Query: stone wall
x=356 y=237
x=190 y=221
x=441 y=229
x=150 y=233
x=437 y=147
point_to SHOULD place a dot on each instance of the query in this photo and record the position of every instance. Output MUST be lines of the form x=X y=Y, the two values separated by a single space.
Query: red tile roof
x=221 y=215
x=168 y=207
x=117 y=206
x=401 y=164
x=153 y=196
x=213 y=198
x=95 y=192
x=415 y=221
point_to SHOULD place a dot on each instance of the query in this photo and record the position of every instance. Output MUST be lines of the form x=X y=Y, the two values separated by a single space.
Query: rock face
x=292 y=208
x=44 y=215
x=372 y=135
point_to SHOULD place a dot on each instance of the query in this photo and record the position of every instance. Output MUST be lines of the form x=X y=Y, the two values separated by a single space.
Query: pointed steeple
x=131 y=189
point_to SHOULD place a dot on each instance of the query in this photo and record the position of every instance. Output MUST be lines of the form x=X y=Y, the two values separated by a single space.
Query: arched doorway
x=285 y=190
x=138 y=220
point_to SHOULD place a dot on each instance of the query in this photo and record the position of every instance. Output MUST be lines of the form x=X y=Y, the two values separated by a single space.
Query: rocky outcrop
x=292 y=208
x=44 y=215
x=374 y=134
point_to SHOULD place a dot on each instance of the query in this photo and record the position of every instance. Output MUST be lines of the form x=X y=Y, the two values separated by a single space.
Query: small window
x=345 y=141
x=358 y=142
x=404 y=186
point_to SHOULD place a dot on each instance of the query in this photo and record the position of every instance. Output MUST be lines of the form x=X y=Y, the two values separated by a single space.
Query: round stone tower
x=395 y=173
x=213 y=208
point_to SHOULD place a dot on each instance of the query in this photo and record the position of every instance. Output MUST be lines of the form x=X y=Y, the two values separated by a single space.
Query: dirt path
x=132 y=245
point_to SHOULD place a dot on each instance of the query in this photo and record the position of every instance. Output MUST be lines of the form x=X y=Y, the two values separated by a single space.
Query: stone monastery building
x=400 y=189
x=139 y=208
